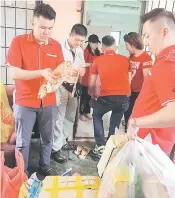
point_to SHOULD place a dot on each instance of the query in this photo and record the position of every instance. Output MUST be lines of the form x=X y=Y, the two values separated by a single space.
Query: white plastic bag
x=139 y=170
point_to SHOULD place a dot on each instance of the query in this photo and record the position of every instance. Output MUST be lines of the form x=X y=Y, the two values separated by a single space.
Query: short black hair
x=79 y=29
x=158 y=13
x=134 y=39
x=108 y=40
x=44 y=10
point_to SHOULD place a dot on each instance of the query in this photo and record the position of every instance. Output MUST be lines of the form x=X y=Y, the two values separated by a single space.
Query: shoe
x=35 y=135
x=83 y=118
x=69 y=147
x=34 y=186
x=45 y=171
x=59 y=157
x=97 y=152
x=123 y=123
x=88 y=116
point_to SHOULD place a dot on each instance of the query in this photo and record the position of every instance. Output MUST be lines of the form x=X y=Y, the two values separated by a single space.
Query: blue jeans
x=118 y=105
x=25 y=118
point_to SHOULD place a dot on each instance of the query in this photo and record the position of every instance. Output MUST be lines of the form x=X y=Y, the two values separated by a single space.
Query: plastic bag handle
x=140 y=140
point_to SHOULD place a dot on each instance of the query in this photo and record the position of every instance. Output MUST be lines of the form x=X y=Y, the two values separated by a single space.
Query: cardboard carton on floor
x=113 y=146
x=70 y=187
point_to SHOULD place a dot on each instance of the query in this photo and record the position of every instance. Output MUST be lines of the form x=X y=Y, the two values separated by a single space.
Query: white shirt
x=78 y=61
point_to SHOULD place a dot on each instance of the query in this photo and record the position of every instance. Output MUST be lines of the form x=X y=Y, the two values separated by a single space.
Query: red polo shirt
x=158 y=89
x=27 y=54
x=138 y=64
x=113 y=71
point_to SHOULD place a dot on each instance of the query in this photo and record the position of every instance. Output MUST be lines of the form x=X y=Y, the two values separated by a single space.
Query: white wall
x=67 y=16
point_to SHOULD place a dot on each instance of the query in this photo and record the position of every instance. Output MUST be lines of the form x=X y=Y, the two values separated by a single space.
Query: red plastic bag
x=12 y=178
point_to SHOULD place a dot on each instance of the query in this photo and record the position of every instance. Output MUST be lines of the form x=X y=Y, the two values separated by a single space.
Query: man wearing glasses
x=73 y=52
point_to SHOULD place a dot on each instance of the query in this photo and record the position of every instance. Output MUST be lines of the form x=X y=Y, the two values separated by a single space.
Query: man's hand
x=82 y=71
x=132 y=129
x=48 y=75
x=74 y=72
x=92 y=92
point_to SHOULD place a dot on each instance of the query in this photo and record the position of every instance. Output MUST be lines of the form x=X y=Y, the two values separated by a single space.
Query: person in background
x=153 y=114
x=31 y=59
x=113 y=70
x=140 y=63
x=90 y=53
x=73 y=52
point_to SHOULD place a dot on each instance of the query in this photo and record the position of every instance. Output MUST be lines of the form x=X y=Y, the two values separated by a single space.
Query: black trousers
x=118 y=105
x=84 y=102
x=128 y=113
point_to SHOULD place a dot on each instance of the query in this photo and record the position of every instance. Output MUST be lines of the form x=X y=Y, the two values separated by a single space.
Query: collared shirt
x=158 y=89
x=113 y=71
x=27 y=54
x=77 y=60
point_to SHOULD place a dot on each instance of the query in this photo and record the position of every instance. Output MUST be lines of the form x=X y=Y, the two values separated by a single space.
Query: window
x=15 y=20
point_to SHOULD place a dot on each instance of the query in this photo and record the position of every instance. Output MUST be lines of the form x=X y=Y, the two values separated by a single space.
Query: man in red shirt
x=31 y=59
x=113 y=70
x=154 y=110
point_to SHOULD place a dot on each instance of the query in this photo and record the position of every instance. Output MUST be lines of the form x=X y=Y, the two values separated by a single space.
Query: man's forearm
x=88 y=64
x=21 y=74
x=92 y=84
x=165 y=117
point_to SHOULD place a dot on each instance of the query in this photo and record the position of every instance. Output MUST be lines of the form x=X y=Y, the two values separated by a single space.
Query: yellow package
x=7 y=119
x=70 y=186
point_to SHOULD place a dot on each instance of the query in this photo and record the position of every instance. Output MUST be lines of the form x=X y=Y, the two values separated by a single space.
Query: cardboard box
x=70 y=187
x=113 y=146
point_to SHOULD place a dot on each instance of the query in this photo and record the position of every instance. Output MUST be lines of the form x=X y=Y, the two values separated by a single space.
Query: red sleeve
x=164 y=82
x=94 y=69
x=14 y=57
x=147 y=63
x=60 y=58
x=86 y=54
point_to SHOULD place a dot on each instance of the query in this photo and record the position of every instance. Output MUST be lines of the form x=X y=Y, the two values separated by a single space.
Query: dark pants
x=84 y=102
x=25 y=118
x=118 y=105
x=128 y=113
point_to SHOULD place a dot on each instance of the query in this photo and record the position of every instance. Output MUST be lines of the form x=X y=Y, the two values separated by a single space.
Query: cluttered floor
x=82 y=166
x=85 y=137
